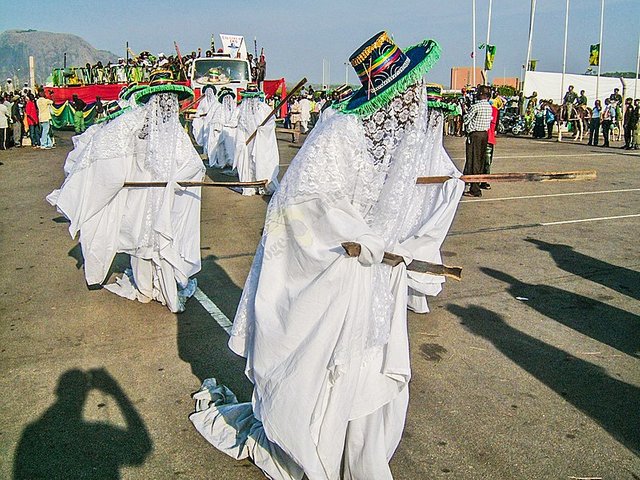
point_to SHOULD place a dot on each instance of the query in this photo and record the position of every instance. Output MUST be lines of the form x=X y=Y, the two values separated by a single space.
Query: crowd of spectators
x=137 y=69
x=25 y=115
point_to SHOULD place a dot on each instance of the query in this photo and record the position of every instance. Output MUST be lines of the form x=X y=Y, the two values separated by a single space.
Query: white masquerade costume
x=222 y=126
x=158 y=227
x=199 y=124
x=259 y=160
x=325 y=335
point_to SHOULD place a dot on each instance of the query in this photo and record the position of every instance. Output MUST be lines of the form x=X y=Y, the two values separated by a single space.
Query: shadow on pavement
x=61 y=444
x=620 y=279
x=613 y=404
x=602 y=322
x=202 y=342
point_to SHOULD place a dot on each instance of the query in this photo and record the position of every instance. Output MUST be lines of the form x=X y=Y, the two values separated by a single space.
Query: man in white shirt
x=305 y=113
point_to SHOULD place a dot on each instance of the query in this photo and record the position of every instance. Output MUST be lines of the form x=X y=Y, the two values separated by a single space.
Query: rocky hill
x=48 y=50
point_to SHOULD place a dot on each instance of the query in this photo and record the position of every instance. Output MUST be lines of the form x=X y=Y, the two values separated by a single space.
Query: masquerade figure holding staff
x=324 y=333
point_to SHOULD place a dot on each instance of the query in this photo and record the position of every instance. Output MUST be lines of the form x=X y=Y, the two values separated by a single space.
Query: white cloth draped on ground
x=222 y=126
x=259 y=160
x=158 y=227
x=199 y=124
x=325 y=335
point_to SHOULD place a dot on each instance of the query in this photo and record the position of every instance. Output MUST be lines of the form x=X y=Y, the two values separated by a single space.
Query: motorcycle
x=511 y=123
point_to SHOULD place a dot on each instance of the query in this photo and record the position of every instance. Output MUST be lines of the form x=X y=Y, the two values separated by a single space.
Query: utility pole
x=600 y=49
x=486 y=45
x=564 y=69
x=473 y=39
x=532 y=15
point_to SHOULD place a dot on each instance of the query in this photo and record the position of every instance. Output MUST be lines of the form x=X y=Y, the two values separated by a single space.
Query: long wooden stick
x=516 y=177
x=256 y=184
x=353 y=249
x=191 y=104
x=293 y=91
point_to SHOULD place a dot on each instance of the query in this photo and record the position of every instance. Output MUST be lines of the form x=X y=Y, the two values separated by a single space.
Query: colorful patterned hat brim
x=421 y=58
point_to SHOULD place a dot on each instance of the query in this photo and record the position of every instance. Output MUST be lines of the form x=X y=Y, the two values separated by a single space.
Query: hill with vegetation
x=48 y=50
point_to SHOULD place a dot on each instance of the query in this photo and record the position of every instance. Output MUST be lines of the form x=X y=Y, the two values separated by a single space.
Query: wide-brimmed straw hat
x=252 y=91
x=161 y=81
x=385 y=70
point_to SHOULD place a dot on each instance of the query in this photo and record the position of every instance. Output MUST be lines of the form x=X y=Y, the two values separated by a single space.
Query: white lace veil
x=373 y=164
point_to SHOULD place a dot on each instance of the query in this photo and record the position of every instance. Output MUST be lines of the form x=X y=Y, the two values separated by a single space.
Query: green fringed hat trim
x=246 y=94
x=113 y=115
x=438 y=105
x=129 y=91
x=371 y=106
x=183 y=92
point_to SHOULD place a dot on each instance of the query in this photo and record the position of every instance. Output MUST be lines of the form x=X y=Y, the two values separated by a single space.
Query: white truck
x=220 y=70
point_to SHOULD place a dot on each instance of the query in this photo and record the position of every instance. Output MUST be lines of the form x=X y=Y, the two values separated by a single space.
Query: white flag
x=234 y=45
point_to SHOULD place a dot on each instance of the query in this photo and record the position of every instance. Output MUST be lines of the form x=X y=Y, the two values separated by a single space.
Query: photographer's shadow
x=61 y=444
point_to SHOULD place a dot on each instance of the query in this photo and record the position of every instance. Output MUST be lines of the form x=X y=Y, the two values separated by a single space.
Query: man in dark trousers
x=628 y=123
x=476 y=122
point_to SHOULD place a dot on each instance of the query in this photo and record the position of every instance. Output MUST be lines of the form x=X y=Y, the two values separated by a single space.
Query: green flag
x=594 y=55
x=490 y=55
x=532 y=65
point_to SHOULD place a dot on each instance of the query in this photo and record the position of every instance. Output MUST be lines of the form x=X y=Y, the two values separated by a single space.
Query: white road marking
x=597 y=154
x=551 y=195
x=562 y=222
x=539 y=224
x=213 y=310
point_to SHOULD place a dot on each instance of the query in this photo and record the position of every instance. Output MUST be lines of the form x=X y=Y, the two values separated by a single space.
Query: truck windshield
x=217 y=71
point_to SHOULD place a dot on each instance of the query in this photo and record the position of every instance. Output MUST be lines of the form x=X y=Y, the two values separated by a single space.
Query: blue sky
x=298 y=35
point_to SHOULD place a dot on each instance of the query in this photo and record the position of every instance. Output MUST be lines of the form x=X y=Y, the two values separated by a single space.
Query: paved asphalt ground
x=528 y=368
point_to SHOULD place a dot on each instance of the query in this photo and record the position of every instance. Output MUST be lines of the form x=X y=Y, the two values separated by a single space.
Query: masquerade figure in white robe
x=158 y=227
x=207 y=106
x=259 y=160
x=324 y=334
x=222 y=126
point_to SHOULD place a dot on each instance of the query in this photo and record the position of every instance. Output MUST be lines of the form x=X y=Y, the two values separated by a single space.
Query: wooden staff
x=515 y=177
x=298 y=86
x=256 y=184
x=191 y=104
x=184 y=72
x=353 y=249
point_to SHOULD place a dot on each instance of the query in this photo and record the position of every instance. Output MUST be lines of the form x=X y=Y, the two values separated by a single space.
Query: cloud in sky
x=298 y=35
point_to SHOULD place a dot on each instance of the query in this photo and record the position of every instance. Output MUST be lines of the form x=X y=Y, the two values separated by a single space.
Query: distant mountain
x=48 y=50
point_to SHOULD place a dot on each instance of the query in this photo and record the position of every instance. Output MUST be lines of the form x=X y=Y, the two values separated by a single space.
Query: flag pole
x=486 y=46
x=635 y=85
x=600 y=49
x=532 y=15
x=564 y=70
x=473 y=39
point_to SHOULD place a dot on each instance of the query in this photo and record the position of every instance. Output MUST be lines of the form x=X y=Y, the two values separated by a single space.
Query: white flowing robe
x=222 y=126
x=325 y=335
x=259 y=160
x=158 y=227
x=199 y=125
